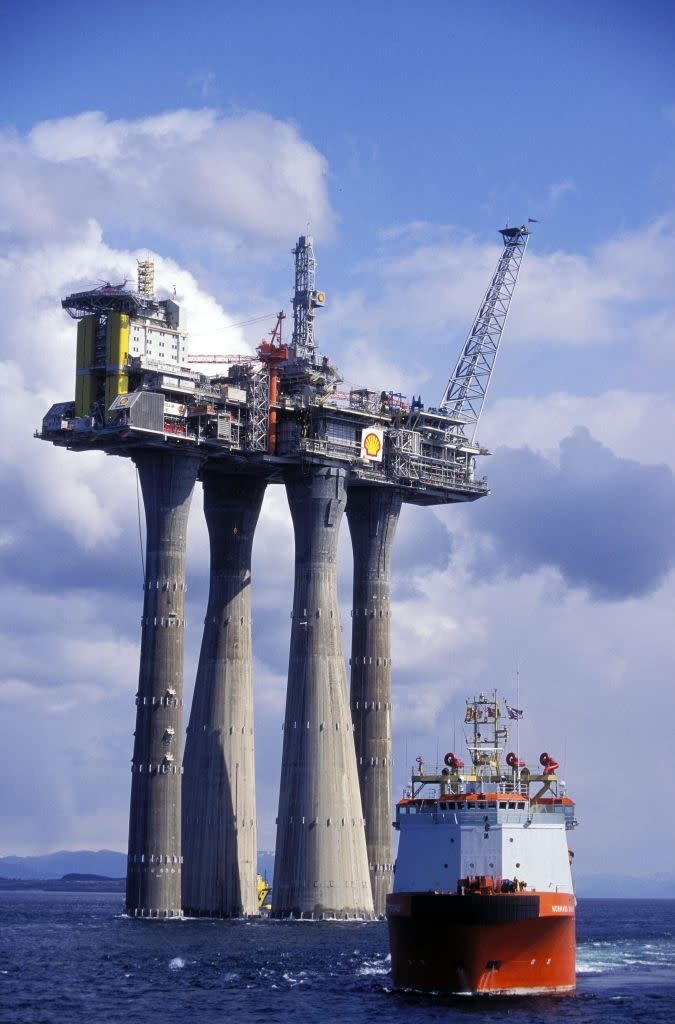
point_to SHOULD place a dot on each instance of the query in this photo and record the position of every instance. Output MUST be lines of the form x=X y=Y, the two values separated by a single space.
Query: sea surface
x=73 y=958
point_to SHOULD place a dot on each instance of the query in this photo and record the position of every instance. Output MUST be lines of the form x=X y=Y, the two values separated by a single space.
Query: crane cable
x=240 y=323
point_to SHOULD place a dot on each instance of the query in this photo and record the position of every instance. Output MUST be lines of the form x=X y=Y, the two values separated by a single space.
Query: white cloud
x=69 y=533
x=591 y=680
x=92 y=496
x=71 y=594
x=205 y=177
x=422 y=293
x=633 y=424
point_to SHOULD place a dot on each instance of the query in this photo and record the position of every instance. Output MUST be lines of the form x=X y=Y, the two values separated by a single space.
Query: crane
x=466 y=390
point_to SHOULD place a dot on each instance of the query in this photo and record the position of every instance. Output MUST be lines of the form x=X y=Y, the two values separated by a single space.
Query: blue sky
x=405 y=135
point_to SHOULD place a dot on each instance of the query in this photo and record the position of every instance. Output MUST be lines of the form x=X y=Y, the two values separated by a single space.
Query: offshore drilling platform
x=278 y=417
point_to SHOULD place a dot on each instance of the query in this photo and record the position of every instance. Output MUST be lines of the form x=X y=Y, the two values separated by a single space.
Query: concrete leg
x=321 y=865
x=219 y=814
x=372 y=514
x=154 y=862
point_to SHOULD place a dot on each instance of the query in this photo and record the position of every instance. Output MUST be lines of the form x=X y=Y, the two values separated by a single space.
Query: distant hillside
x=66 y=862
x=266 y=864
x=102 y=863
x=107 y=864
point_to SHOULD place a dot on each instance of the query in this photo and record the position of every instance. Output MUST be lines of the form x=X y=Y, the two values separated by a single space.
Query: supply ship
x=483 y=901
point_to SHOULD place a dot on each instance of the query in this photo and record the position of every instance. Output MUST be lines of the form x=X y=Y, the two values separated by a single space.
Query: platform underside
x=503 y=944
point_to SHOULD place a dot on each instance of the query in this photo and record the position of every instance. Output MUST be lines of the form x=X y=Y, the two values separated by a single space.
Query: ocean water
x=73 y=958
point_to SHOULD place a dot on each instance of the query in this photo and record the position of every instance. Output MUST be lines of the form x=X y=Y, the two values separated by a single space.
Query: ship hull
x=498 y=944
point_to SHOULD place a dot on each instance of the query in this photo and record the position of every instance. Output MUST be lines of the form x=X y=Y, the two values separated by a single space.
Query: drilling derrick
x=305 y=300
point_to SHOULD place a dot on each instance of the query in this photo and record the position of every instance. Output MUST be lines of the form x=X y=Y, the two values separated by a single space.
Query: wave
x=627 y=955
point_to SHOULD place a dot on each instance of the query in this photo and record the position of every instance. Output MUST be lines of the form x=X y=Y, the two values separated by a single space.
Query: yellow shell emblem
x=372 y=445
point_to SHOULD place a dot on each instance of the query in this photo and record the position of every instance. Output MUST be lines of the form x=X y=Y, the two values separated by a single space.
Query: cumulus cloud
x=579 y=665
x=91 y=497
x=515 y=578
x=188 y=172
x=422 y=543
x=633 y=424
x=71 y=590
x=603 y=522
x=405 y=328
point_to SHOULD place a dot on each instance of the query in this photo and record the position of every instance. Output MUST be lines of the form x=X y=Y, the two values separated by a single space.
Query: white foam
x=375 y=967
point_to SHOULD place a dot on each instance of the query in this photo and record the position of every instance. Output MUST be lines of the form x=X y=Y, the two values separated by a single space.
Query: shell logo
x=372 y=445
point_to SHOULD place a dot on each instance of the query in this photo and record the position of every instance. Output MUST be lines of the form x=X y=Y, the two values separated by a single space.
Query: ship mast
x=483 y=714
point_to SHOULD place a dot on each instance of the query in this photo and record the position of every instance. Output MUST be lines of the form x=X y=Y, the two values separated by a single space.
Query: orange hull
x=499 y=944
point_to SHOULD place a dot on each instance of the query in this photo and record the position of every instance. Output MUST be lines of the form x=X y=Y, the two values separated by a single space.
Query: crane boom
x=468 y=384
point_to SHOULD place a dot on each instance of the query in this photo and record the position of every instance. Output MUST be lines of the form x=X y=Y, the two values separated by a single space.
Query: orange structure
x=272 y=354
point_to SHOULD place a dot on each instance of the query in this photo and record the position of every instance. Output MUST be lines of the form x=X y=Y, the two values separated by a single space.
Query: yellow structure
x=85 y=379
x=264 y=894
x=102 y=362
x=117 y=358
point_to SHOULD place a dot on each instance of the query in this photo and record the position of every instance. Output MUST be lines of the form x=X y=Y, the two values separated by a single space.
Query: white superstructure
x=495 y=820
